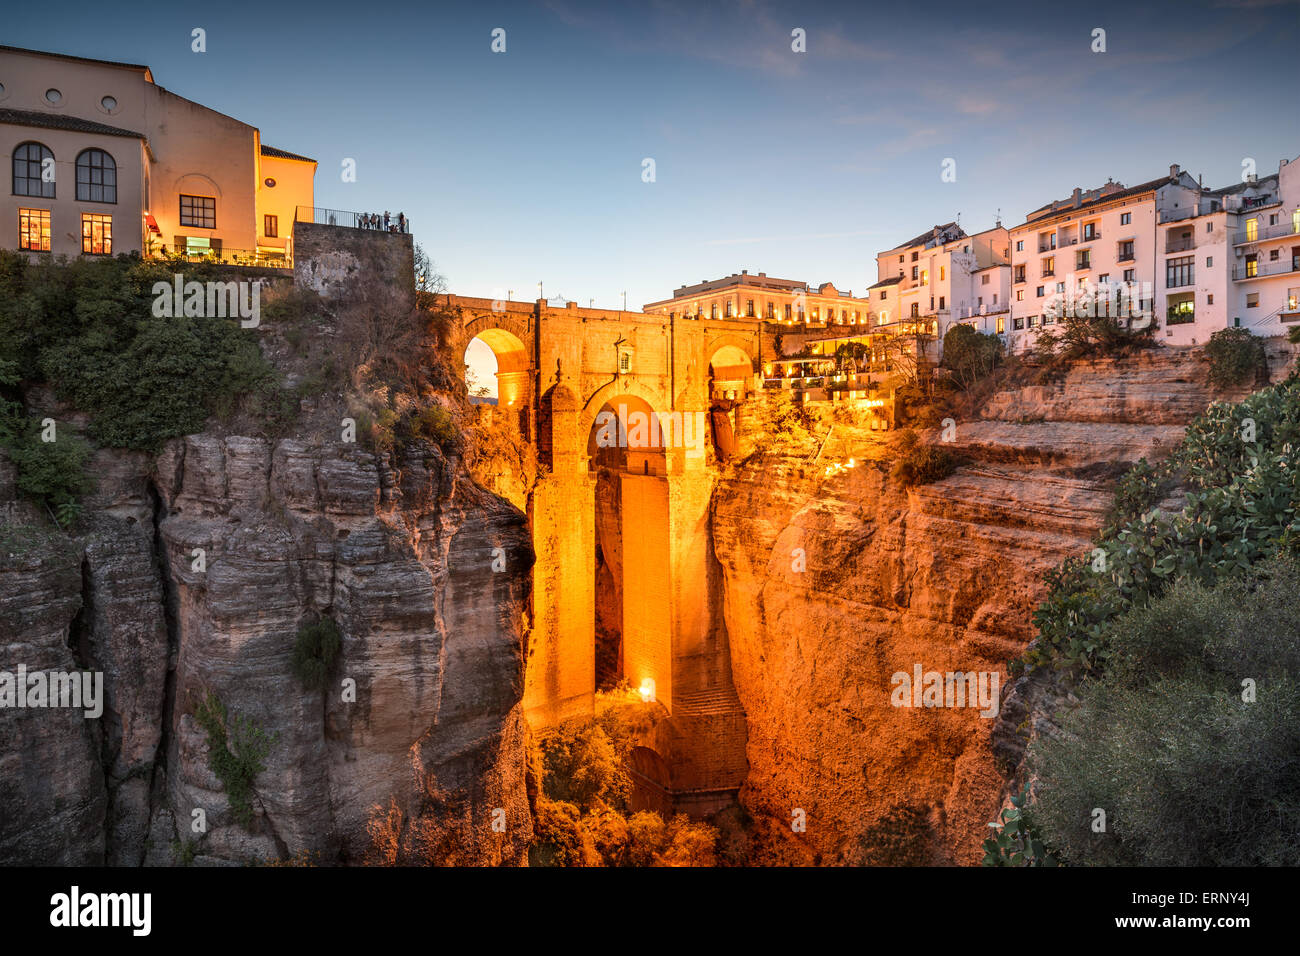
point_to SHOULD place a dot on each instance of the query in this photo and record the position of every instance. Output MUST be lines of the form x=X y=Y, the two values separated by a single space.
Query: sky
x=529 y=166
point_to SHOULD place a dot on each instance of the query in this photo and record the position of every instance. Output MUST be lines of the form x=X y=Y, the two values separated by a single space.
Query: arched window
x=30 y=160
x=96 y=177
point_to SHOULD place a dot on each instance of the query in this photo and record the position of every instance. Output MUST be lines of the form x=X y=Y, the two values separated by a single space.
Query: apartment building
x=1095 y=242
x=103 y=161
x=784 y=301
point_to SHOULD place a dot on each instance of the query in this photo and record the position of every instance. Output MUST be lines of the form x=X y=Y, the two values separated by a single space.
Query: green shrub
x=1190 y=769
x=1016 y=841
x=237 y=749
x=582 y=767
x=1236 y=357
x=314 y=652
x=434 y=423
x=970 y=355
x=917 y=463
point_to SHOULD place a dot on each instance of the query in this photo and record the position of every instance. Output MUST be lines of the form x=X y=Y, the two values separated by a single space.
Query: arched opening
x=730 y=373
x=627 y=455
x=497 y=377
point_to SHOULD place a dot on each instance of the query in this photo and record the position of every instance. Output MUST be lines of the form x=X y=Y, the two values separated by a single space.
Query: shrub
x=1236 y=357
x=435 y=423
x=314 y=652
x=970 y=355
x=582 y=767
x=1190 y=769
x=1016 y=841
x=237 y=749
x=917 y=463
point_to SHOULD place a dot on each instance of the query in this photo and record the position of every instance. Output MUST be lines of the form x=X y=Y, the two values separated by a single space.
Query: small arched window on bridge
x=624 y=362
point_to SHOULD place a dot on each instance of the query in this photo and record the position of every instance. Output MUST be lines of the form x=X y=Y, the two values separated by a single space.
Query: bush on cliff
x=51 y=473
x=1236 y=358
x=970 y=355
x=237 y=750
x=87 y=328
x=1189 y=743
x=314 y=652
x=919 y=463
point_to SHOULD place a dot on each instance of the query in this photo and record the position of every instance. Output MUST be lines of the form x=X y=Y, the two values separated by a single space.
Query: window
x=1252 y=230
x=1090 y=232
x=914 y=272
x=34 y=229
x=1178 y=272
x=1083 y=259
x=1252 y=266
x=96 y=234
x=925 y=277
x=1018 y=322
x=1125 y=218
x=788 y=313
x=1182 y=310
x=1020 y=274
x=1209 y=227
x=995 y=298
x=624 y=362
x=1020 y=295
x=200 y=211
x=1126 y=250
x=1209 y=299
x=1209 y=262
x=1020 y=245
x=1103 y=278
x=914 y=256
x=1292 y=300
x=31 y=161
x=942 y=306
x=1272 y=255
x=1252 y=300
x=96 y=177
x=1002 y=324
x=1038 y=291
x=731 y=308
x=815 y=313
x=884 y=294
x=916 y=310
x=1272 y=219
x=1049 y=320
x=1130 y=275
x=984 y=279
x=942 y=273
x=271 y=226
x=1049 y=266
x=1033 y=321
x=979 y=300
x=713 y=311
x=884 y=317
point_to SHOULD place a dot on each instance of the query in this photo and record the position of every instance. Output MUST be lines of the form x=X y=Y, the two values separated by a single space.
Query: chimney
x=1077 y=197
x=1173 y=171
x=744 y=272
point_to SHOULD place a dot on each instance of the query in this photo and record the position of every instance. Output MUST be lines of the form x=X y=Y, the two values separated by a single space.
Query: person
x=401 y=222
x=386 y=227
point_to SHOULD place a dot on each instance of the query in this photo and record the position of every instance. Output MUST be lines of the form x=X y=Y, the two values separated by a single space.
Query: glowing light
x=647 y=690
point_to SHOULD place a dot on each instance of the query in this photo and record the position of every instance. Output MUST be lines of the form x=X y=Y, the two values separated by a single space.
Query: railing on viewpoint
x=374 y=221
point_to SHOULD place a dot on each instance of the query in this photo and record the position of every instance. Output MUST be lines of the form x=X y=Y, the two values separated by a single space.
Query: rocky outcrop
x=834 y=585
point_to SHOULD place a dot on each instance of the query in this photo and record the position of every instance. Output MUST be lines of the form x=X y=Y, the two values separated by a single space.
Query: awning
x=152 y=224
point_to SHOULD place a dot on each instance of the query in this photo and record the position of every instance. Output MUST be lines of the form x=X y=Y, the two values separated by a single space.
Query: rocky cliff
x=835 y=584
x=190 y=574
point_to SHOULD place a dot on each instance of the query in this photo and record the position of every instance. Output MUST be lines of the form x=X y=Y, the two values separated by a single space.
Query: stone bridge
x=625 y=584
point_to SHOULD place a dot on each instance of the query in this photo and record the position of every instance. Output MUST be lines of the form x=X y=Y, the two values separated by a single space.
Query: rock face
x=834 y=585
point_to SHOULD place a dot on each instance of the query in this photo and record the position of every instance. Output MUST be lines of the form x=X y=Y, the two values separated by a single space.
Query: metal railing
x=257 y=258
x=1260 y=270
x=1291 y=228
x=372 y=221
x=1180 y=245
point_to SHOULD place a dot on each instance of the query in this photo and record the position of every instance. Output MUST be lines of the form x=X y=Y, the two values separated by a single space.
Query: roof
x=892 y=280
x=283 y=154
x=140 y=67
x=59 y=121
x=1053 y=209
x=928 y=235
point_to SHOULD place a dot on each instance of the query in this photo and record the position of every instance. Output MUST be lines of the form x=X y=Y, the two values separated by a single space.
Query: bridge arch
x=731 y=366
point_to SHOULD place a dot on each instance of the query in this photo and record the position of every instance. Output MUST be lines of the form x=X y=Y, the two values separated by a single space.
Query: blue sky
x=527 y=165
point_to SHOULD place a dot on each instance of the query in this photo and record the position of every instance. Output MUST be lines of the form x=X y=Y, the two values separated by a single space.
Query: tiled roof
x=59 y=121
x=893 y=280
x=1046 y=212
x=283 y=154
x=926 y=236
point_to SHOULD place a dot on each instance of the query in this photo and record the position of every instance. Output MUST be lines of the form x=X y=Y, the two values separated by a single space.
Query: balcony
x=370 y=221
x=1262 y=270
x=249 y=258
x=1048 y=273
x=1090 y=236
x=1181 y=244
x=1126 y=257
x=1046 y=246
x=1280 y=231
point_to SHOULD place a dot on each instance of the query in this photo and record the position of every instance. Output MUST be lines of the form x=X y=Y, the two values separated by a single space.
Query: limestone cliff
x=945 y=575
x=191 y=573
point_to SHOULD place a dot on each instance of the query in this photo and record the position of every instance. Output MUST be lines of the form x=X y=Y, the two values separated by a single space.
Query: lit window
x=96 y=234
x=271 y=226
x=34 y=230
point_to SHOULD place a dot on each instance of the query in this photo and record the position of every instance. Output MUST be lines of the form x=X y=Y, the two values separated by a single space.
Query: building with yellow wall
x=783 y=301
x=103 y=160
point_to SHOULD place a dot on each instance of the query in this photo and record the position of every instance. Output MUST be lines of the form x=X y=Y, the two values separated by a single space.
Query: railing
x=1180 y=245
x=1267 y=232
x=1271 y=269
x=1048 y=273
x=234 y=257
x=1126 y=257
x=353 y=220
x=1089 y=236
x=1046 y=247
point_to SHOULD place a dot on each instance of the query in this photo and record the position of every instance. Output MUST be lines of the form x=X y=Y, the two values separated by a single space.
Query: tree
x=970 y=355
x=427 y=276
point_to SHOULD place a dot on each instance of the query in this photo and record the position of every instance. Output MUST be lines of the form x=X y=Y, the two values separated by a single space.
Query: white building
x=1093 y=241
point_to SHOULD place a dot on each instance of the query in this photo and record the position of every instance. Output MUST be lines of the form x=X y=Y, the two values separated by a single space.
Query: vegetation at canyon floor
x=1180 y=636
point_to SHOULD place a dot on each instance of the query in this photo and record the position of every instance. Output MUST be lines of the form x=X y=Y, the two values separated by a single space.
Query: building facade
x=782 y=301
x=102 y=160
